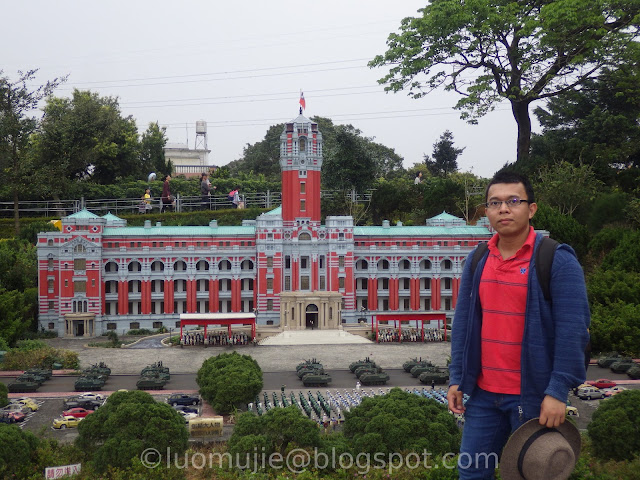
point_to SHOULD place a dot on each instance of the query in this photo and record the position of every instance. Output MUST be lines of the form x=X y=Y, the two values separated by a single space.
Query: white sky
x=240 y=66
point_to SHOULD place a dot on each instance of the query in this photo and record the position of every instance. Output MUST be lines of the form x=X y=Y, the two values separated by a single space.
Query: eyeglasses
x=511 y=203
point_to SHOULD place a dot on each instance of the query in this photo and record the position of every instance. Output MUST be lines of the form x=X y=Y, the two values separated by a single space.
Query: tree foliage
x=4 y=394
x=489 y=51
x=228 y=380
x=152 y=145
x=400 y=421
x=563 y=228
x=614 y=427
x=348 y=163
x=17 y=450
x=17 y=102
x=551 y=183
x=127 y=424
x=444 y=158
x=277 y=430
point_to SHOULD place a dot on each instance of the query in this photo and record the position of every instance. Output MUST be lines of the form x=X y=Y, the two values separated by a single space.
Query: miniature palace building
x=97 y=274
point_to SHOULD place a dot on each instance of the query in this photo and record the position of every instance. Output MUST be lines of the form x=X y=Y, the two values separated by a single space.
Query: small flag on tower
x=302 y=102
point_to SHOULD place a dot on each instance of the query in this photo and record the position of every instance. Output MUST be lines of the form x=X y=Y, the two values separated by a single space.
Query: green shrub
x=45 y=357
x=140 y=331
x=614 y=427
x=4 y=395
x=28 y=345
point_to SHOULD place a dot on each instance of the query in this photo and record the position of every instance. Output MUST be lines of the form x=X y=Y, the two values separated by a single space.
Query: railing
x=119 y=206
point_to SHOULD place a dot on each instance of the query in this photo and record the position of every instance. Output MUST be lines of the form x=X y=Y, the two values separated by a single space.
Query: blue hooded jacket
x=555 y=333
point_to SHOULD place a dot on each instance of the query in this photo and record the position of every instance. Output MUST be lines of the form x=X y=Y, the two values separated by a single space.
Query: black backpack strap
x=544 y=261
x=477 y=255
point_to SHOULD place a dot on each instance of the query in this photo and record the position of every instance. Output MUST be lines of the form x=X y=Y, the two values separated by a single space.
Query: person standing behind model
x=205 y=191
x=418 y=179
x=166 y=194
x=515 y=353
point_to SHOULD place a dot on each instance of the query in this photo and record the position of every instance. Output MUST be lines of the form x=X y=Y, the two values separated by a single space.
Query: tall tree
x=17 y=102
x=490 y=50
x=152 y=150
x=444 y=159
x=85 y=137
x=261 y=157
x=349 y=163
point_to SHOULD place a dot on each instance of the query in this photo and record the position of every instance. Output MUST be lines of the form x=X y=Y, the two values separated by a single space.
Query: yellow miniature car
x=66 y=422
x=27 y=402
x=572 y=411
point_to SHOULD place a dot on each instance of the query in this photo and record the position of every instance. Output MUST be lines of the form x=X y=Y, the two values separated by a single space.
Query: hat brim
x=511 y=452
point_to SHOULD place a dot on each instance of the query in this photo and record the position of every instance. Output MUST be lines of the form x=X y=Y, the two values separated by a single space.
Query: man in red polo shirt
x=515 y=353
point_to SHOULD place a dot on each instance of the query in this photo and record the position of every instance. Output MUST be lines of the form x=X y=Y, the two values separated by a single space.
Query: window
x=270 y=262
x=427 y=304
x=66 y=283
x=269 y=305
x=269 y=283
x=383 y=283
x=51 y=325
x=323 y=285
x=385 y=305
x=447 y=284
x=304 y=237
x=157 y=324
x=341 y=237
x=304 y=282
x=80 y=264
x=447 y=265
x=79 y=286
x=134 y=325
x=287 y=283
x=341 y=261
x=303 y=205
x=304 y=263
x=79 y=249
x=111 y=326
x=51 y=305
x=50 y=263
x=406 y=304
x=341 y=282
x=405 y=283
x=50 y=284
x=303 y=187
x=321 y=261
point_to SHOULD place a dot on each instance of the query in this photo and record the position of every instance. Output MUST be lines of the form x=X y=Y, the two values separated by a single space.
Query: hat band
x=528 y=443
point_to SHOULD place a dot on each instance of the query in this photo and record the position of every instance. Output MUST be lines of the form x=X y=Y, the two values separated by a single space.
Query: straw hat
x=535 y=452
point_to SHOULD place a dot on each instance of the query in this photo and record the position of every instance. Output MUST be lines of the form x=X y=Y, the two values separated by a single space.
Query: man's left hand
x=552 y=412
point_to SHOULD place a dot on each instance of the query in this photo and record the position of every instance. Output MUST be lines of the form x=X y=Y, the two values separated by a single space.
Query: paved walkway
x=314 y=337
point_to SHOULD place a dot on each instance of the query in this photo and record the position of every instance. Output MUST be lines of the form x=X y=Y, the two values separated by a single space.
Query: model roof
x=180 y=231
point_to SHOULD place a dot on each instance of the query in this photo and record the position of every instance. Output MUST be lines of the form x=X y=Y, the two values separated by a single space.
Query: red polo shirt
x=503 y=296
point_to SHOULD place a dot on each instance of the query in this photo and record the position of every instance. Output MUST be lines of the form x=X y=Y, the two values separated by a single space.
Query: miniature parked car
x=602 y=383
x=572 y=411
x=186 y=408
x=187 y=416
x=27 y=402
x=183 y=399
x=6 y=418
x=17 y=416
x=589 y=393
x=87 y=403
x=609 y=392
x=91 y=396
x=16 y=407
x=66 y=422
x=76 y=412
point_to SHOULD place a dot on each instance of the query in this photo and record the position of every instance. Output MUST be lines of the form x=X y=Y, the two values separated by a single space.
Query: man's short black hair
x=506 y=176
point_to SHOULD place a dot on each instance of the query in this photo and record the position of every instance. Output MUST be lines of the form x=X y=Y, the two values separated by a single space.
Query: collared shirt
x=503 y=296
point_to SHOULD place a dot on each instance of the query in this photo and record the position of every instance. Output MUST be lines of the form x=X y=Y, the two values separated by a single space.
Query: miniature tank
x=100 y=369
x=155 y=373
x=316 y=380
x=437 y=376
x=374 y=378
x=86 y=384
x=367 y=362
x=29 y=377
x=42 y=372
x=362 y=370
x=22 y=386
x=316 y=370
x=610 y=359
x=150 y=383
x=634 y=372
x=409 y=364
x=308 y=363
x=420 y=369
x=622 y=365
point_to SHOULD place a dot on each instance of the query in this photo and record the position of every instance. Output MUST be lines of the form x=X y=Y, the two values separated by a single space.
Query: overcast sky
x=240 y=67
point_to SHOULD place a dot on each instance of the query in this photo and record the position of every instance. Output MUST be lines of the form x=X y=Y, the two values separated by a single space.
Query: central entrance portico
x=318 y=309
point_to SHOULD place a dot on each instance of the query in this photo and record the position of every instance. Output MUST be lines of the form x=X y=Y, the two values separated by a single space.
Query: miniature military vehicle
x=634 y=372
x=362 y=363
x=150 y=383
x=86 y=383
x=22 y=386
x=100 y=369
x=610 y=359
x=438 y=376
x=362 y=370
x=316 y=380
x=374 y=378
x=420 y=369
x=409 y=364
x=622 y=365
x=308 y=363
x=28 y=377
x=316 y=370
x=42 y=372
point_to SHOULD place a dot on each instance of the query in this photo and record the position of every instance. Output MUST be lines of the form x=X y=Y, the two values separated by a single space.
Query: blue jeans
x=489 y=420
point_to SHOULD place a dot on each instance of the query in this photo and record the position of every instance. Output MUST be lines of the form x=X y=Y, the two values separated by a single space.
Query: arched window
x=79 y=248
x=247 y=265
x=224 y=265
x=135 y=266
x=303 y=144
x=202 y=265
x=362 y=264
x=304 y=237
x=157 y=266
x=180 y=266
x=405 y=264
x=383 y=264
x=425 y=265
x=111 y=267
x=447 y=264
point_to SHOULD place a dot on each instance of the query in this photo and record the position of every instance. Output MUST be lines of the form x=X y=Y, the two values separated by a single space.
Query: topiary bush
x=45 y=357
x=614 y=427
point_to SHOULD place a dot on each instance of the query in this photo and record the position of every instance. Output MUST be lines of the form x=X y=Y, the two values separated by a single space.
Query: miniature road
x=150 y=342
